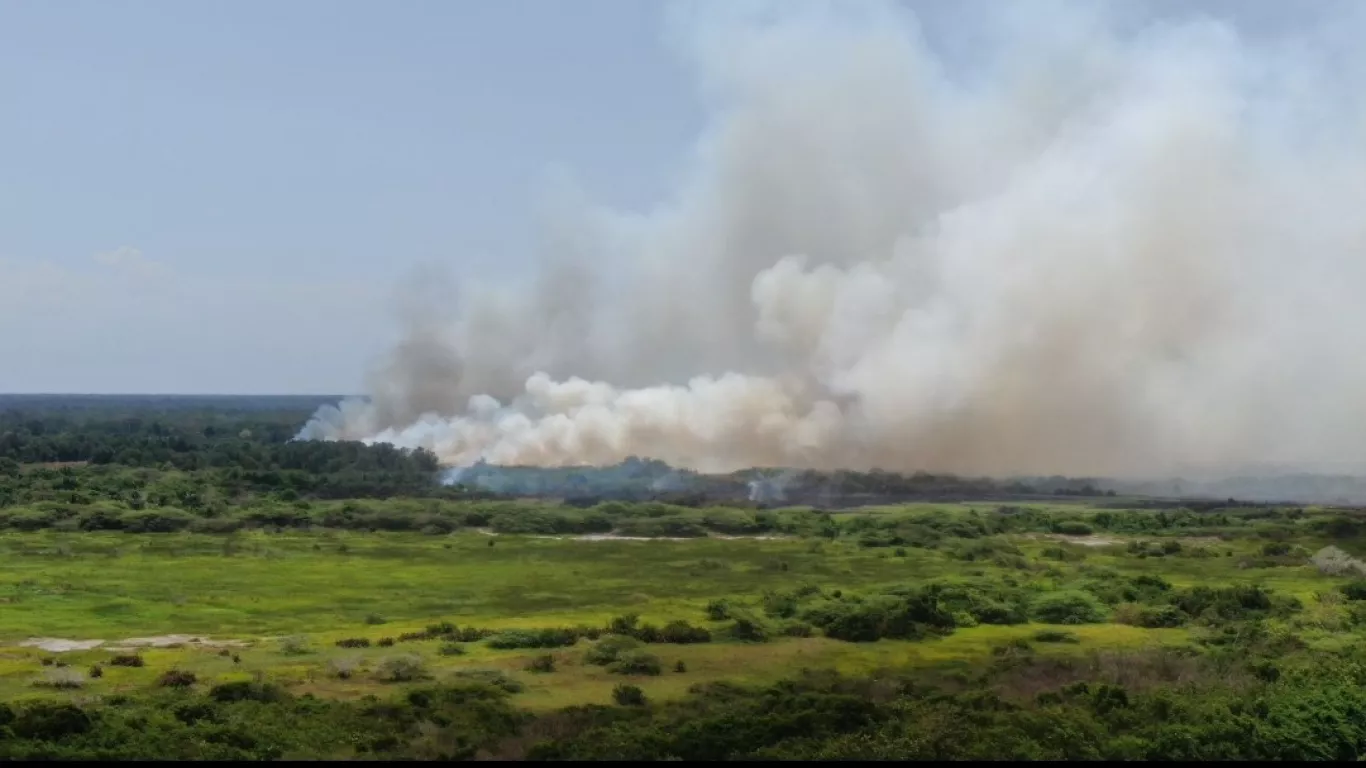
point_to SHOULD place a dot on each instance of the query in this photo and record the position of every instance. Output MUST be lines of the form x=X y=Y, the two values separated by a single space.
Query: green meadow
x=283 y=600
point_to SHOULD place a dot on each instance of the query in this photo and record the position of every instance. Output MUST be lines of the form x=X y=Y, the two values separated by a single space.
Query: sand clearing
x=60 y=645
x=619 y=537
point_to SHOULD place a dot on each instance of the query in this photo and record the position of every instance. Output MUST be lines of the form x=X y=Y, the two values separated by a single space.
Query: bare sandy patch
x=619 y=537
x=62 y=645
x=1093 y=540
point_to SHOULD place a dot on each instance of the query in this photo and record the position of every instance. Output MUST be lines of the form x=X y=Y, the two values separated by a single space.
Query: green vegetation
x=291 y=620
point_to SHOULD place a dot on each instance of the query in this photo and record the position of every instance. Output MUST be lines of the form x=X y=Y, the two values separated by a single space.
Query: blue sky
x=221 y=196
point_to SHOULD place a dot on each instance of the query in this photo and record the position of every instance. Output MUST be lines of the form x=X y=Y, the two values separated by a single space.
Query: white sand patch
x=61 y=645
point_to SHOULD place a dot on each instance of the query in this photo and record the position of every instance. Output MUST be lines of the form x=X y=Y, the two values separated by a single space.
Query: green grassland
x=287 y=597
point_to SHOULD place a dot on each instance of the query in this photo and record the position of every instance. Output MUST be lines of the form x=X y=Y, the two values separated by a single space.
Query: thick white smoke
x=1092 y=252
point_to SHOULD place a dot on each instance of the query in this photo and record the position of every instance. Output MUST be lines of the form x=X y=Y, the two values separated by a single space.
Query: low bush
x=542 y=664
x=175 y=678
x=247 y=690
x=294 y=645
x=492 y=677
x=343 y=669
x=402 y=669
x=1070 y=607
x=61 y=679
x=628 y=696
x=636 y=663
x=609 y=649
x=683 y=633
x=534 y=638
x=1073 y=528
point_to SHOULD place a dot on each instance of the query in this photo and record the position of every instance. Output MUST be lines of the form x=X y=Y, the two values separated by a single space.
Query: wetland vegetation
x=334 y=600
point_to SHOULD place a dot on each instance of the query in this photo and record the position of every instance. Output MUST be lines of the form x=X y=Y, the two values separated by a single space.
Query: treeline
x=191 y=439
x=640 y=480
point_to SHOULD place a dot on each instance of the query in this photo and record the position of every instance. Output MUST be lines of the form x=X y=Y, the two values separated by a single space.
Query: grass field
x=317 y=588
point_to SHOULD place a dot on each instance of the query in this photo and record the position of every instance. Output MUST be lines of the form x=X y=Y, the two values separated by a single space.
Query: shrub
x=533 y=638
x=1015 y=647
x=354 y=642
x=1068 y=608
x=1266 y=671
x=402 y=669
x=165 y=520
x=294 y=645
x=96 y=671
x=683 y=633
x=175 y=678
x=984 y=603
x=443 y=629
x=451 y=649
x=543 y=663
x=1072 y=528
x=1276 y=548
x=126 y=660
x=1227 y=603
x=374 y=619
x=1063 y=554
x=492 y=677
x=680 y=667
x=343 y=669
x=798 y=629
x=193 y=712
x=1354 y=590
x=1160 y=617
x=246 y=690
x=628 y=696
x=61 y=679
x=1332 y=561
x=636 y=663
x=624 y=625
x=748 y=629
x=718 y=610
x=609 y=649
x=780 y=605
x=48 y=721
x=905 y=614
x=386 y=642
x=1055 y=636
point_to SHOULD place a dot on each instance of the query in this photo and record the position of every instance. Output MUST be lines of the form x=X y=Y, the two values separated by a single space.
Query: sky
x=222 y=196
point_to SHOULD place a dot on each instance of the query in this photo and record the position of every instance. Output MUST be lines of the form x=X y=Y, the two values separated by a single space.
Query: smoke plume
x=1096 y=248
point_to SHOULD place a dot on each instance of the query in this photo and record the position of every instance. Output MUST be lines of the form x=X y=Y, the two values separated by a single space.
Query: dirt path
x=1094 y=540
x=61 y=645
x=619 y=537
